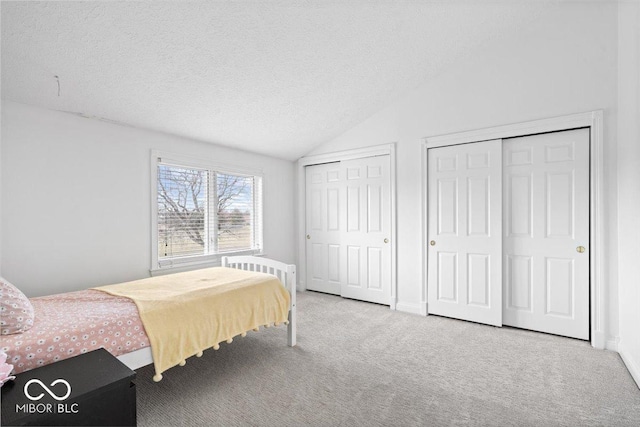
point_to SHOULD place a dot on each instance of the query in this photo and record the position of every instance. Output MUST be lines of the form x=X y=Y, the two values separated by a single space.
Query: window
x=203 y=212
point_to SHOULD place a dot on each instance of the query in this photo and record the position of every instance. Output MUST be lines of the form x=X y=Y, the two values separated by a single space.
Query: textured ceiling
x=276 y=77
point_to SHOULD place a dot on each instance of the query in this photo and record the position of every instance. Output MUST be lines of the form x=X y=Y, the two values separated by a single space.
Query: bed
x=69 y=324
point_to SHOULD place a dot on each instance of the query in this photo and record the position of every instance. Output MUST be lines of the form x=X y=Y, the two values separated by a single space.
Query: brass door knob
x=580 y=249
x=308 y=237
x=386 y=240
x=432 y=243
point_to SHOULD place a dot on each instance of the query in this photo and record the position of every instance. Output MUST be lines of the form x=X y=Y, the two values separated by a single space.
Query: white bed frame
x=286 y=273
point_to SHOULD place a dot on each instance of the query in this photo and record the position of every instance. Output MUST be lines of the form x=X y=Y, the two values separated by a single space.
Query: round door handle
x=580 y=249
x=308 y=237
x=432 y=243
x=386 y=240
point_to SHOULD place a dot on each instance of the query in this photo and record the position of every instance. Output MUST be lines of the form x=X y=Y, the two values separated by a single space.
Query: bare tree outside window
x=182 y=202
x=185 y=225
x=235 y=203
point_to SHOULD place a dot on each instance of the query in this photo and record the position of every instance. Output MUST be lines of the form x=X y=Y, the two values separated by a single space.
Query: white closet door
x=465 y=232
x=366 y=237
x=325 y=211
x=546 y=233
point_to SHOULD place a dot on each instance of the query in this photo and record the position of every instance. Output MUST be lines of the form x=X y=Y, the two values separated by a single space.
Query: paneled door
x=465 y=232
x=326 y=213
x=546 y=232
x=366 y=237
x=348 y=223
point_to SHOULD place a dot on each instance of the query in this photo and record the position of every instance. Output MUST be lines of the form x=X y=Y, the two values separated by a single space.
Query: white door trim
x=358 y=153
x=592 y=120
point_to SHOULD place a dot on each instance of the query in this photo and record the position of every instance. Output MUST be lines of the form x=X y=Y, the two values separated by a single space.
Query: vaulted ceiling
x=274 y=77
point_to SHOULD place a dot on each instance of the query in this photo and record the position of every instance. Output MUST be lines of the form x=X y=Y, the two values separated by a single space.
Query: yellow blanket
x=186 y=313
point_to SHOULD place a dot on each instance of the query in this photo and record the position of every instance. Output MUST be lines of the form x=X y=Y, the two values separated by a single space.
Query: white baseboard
x=612 y=344
x=423 y=308
x=408 y=307
x=599 y=340
x=630 y=363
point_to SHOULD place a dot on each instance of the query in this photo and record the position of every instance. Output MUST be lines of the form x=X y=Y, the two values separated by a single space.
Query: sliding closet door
x=465 y=231
x=325 y=211
x=546 y=233
x=366 y=238
x=348 y=240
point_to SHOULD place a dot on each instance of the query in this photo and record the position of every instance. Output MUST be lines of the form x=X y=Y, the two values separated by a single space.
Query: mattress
x=208 y=306
x=73 y=323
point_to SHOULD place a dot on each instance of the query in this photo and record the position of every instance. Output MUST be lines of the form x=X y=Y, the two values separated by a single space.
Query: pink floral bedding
x=69 y=324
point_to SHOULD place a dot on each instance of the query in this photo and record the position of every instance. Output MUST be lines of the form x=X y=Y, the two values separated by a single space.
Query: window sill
x=187 y=264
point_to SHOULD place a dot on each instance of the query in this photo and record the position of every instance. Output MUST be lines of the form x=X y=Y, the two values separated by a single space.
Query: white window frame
x=207 y=260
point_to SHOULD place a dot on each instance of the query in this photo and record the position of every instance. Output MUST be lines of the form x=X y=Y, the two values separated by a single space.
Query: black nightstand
x=100 y=392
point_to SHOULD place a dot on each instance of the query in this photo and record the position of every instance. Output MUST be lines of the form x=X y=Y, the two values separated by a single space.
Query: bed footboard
x=286 y=273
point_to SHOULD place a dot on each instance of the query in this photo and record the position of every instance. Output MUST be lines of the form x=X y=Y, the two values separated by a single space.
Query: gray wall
x=77 y=201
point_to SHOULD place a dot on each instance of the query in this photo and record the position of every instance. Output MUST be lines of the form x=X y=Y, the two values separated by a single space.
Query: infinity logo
x=52 y=394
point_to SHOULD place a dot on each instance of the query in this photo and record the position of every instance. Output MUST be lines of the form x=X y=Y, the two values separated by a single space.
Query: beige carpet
x=362 y=364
